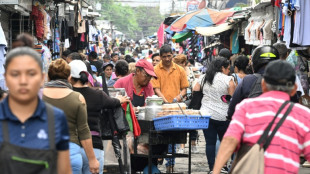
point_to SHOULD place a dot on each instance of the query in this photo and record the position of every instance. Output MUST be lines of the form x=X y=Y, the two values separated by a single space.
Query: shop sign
x=9 y=2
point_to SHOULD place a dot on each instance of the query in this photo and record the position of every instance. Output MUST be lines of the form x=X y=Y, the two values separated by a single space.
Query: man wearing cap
x=171 y=82
x=137 y=85
x=253 y=115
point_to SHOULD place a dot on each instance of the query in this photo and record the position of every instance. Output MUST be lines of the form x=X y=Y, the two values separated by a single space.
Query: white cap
x=77 y=66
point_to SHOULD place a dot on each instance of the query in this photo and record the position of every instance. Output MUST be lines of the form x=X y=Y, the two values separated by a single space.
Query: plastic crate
x=181 y=122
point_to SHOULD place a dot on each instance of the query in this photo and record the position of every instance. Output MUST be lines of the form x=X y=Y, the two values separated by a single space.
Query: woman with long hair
x=58 y=92
x=216 y=85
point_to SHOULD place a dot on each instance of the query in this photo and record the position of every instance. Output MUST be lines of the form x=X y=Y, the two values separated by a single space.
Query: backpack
x=256 y=89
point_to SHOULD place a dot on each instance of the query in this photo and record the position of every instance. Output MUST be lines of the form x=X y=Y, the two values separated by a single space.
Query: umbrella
x=169 y=20
x=200 y=18
x=179 y=37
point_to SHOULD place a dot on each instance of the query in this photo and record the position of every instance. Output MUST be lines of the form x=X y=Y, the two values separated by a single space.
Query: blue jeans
x=170 y=161
x=216 y=128
x=100 y=157
x=75 y=158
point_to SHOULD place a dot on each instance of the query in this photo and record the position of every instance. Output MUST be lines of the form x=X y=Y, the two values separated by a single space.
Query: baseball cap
x=107 y=64
x=147 y=66
x=93 y=68
x=280 y=72
x=77 y=66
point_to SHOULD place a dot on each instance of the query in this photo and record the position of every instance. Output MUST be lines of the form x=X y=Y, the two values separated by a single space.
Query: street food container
x=153 y=106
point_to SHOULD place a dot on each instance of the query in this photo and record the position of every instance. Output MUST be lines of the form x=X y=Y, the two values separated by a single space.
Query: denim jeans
x=170 y=161
x=75 y=158
x=216 y=128
x=100 y=157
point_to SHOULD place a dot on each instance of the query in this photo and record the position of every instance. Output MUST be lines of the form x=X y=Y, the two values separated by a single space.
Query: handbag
x=113 y=121
x=250 y=159
x=195 y=103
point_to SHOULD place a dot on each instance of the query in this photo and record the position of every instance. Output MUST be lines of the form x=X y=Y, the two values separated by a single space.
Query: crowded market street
x=154 y=86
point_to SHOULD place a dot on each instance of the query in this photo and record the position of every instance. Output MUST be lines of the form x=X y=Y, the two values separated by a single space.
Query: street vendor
x=171 y=82
x=137 y=85
x=171 y=85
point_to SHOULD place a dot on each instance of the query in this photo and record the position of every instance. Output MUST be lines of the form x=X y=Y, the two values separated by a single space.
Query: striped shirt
x=251 y=118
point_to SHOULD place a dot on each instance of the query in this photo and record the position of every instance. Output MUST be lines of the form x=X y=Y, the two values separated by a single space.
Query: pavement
x=199 y=161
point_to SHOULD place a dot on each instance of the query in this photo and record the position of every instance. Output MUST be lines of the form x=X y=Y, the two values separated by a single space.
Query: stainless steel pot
x=153 y=106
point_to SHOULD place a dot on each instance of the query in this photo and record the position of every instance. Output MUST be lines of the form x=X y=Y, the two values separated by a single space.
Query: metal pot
x=151 y=111
x=154 y=100
x=153 y=106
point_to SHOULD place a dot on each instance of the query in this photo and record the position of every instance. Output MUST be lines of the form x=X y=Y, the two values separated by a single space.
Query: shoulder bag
x=197 y=97
x=250 y=159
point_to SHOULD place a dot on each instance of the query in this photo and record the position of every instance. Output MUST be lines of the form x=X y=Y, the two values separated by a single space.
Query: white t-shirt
x=211 y=101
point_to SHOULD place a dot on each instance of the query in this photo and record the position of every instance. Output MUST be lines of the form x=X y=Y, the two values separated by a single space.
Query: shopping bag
x=251 y=159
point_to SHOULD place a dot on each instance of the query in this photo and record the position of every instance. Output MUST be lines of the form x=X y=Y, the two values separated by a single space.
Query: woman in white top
x=216 y=84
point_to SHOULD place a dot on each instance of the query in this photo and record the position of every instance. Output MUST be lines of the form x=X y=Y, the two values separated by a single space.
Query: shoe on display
x=194 y=149
x=306 y=164
x=181 y=150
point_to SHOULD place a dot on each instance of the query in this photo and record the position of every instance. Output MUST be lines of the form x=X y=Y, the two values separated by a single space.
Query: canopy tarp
x=200 y=18
x=179 y=37
x=210 y=31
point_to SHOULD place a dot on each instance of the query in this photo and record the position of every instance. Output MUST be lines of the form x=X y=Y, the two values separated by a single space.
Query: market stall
x=163 y=124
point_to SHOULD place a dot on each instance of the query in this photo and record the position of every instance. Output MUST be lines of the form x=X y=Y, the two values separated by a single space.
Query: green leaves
x=132 y=21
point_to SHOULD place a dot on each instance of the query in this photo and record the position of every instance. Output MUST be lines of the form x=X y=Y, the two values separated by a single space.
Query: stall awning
x=210 y=31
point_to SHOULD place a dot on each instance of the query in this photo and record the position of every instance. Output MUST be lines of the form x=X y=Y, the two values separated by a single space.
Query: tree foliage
x=132 y=21
x=149 y=19
x=123 y=17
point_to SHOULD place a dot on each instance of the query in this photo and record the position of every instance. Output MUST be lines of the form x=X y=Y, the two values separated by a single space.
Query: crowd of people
x=62 y=127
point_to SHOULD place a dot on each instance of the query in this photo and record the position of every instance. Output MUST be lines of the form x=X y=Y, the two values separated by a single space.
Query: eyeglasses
x=146 y=74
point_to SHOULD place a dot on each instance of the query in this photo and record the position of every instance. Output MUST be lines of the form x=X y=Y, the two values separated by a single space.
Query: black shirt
x=96 y=100
x=98 y=65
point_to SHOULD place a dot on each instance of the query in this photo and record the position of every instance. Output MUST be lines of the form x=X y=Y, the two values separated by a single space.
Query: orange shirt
x=170 y=83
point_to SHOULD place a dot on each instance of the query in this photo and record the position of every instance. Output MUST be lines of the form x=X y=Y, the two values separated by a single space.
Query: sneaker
x=306 y=164
x=210 y=172
x=224 y=169
x=194 y=149
x=181 y=150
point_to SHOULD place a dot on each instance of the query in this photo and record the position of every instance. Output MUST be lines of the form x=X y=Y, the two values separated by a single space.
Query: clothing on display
x=296 y=25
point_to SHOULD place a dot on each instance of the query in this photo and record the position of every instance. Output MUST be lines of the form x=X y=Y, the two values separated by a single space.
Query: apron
x=138 y=100
x=15 y=159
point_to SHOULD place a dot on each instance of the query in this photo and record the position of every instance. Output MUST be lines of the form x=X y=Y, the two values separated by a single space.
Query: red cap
x=147 y=66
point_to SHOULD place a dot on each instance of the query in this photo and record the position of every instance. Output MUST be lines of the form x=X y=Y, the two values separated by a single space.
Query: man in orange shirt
x=171 y=82
x=171 y=85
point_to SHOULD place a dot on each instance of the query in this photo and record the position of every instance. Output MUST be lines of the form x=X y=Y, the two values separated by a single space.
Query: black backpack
x=256 y=89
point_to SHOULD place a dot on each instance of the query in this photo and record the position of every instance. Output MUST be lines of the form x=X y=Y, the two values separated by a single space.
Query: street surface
x=199 y=161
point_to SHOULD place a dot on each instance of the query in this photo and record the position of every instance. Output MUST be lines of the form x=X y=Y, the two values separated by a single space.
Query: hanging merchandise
x=259 y=28
x=234 y=42
x=3 y=45
x=38 y=17
x=297 y=20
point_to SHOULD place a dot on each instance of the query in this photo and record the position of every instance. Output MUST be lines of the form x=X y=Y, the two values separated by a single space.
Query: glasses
x=146 y=74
